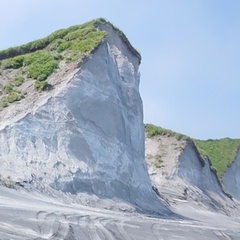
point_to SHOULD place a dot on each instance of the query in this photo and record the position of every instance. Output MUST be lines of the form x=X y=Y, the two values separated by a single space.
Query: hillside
x=27 y=68
x=221 y=152
x=82 y=132
x=31 y=64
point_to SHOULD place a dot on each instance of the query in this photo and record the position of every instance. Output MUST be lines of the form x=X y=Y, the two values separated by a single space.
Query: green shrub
x=64 y=46
x=4 y=102
x=18 y=81
x=40 y=85
x=55 y=44
x=40 y=64
x=158 y=162
x=15 y=62
x=13 y=96
x=8 y=87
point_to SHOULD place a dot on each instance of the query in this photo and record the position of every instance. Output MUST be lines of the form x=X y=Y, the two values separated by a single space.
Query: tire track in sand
x=52 y=226
x=95 y=227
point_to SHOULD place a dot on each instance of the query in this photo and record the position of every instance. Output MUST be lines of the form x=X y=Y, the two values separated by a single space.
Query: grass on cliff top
x=152 y=130
x=37 y=60
x=221 y=152
x=85 y=33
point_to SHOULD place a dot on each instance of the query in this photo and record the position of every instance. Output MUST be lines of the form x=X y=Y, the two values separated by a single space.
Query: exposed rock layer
x=88 y=134
x=231 y=178
x=180 y=174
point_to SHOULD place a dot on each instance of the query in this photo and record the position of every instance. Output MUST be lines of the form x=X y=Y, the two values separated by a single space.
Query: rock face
x=179 y=173
x=231 y=178
x=87 y=136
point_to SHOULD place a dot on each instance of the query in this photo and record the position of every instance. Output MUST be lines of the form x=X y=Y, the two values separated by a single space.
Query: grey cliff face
x=231 y=178
x=178 y=171
x=89 y=135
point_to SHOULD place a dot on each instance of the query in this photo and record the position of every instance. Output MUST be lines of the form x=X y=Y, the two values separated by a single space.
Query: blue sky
x=190 y=71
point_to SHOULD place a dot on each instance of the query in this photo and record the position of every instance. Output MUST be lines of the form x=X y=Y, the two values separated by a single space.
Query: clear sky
x=190 y=71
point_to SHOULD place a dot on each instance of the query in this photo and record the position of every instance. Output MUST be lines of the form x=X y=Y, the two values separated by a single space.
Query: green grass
x=86 y=32
x=221 y=152
x=152 y=130
x=40 y=65
x=39 y=59
x=15 y=62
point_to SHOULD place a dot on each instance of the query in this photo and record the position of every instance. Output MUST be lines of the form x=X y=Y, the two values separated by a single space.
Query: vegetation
x=39 y=59
x=15 y=62
x=18 y=81
x=158 y=162
x=12 y=96
x=40 y=65
x=40 y=85
x=8 y=88
x=221 y=152
x=152 y=130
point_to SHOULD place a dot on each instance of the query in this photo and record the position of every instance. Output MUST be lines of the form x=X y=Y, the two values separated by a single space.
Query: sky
x=190 y=69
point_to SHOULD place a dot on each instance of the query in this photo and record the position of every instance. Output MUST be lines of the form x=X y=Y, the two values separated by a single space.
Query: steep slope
x=29 y=66
x=85 y=134
x=221 y=152
x=231 y=177
x=179 y=172
x=224 y=155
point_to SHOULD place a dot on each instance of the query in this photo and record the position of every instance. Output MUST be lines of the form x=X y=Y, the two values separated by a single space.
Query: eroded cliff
x=181 y=175
x=231 y=177
x=86 y=134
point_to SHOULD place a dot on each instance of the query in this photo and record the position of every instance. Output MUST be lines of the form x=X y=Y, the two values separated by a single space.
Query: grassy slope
x=221 y=152
x=37 y=60
x=153 y=130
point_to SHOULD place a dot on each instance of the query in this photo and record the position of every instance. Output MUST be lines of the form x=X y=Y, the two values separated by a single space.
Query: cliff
x=231 y=177
x=85 y=133
x=180 y=174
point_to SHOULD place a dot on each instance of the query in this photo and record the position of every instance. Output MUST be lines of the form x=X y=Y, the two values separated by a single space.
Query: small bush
x=64 y=46
x=8 y=87
x=4 y=103
x=14 y=96
x=158 y=163
x=55 y=44
x=18 y=81
x=40 y=85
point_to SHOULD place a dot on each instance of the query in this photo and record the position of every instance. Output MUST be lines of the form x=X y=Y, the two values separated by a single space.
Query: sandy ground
x=25 y=215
